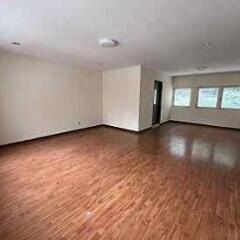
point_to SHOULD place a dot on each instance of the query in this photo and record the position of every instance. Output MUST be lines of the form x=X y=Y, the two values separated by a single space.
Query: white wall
x=121 y=96
x=215 y=117
x=40 y=98
x=148 y=77
x=128 y=97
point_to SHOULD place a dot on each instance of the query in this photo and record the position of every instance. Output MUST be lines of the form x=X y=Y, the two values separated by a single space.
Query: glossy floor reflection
x=176 y=182
x=211 y=146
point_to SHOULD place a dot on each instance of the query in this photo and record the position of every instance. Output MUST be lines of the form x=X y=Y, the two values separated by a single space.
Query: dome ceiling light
x=108 y=43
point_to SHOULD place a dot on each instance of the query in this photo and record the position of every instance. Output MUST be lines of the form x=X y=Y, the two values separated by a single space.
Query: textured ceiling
x=167 y=35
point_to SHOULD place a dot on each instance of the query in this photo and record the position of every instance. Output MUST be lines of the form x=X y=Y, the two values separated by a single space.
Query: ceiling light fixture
x=108 y=43
x=207 y=44
x=201 y=68
x=16 y=43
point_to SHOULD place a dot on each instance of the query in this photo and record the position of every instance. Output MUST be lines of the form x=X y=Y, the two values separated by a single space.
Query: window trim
x=220 y=105
x=173 y=99
x=196 y=95
x=218 y=97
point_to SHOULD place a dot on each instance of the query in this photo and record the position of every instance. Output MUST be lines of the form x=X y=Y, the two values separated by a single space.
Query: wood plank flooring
x=175 y=182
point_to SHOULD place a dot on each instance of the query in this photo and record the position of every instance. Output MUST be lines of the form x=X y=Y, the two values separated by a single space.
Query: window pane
x=231 y=98
x=182 y=97
x=208 y=97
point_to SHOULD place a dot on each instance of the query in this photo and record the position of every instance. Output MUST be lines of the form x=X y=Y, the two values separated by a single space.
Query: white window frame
x=218 y=97
x=173 y=102
x=220 y=105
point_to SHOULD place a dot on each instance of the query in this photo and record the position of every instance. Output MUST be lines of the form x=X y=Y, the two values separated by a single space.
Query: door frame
x=157 y=110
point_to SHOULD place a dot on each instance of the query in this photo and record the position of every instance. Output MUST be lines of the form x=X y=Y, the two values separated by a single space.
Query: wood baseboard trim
x=166 y=122
x=201 y=124
x=43 y=138
x=120 y=129
x=109 y=126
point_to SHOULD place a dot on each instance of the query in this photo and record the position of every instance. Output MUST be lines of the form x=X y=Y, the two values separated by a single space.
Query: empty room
x=119 y=120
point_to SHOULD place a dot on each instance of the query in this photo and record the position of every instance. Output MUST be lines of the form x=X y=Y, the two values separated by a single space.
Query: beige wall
x=216 y=117
x=128 y=97
x=40 y=98
x=148 y=77
x=121 y=94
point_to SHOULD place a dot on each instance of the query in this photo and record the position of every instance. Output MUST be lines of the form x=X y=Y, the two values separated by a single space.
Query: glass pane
x=231 y=98
x=155 y=97
x=208 y=97
x=182 y=97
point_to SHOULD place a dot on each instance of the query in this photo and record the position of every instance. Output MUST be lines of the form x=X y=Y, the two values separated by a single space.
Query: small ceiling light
x=207 y=44
x=108 y=43
x=201 y=68
x=16 y=43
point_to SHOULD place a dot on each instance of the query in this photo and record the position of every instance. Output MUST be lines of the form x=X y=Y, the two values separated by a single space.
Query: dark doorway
x=157 y=102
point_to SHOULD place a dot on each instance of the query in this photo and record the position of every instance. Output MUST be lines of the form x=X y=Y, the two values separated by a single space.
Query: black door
x=157 y=101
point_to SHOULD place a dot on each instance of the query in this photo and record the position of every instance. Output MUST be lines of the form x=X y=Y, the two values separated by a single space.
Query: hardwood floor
x=175 y=182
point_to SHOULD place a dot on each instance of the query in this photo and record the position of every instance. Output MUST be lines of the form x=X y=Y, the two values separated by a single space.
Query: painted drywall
x=215 y=117
x=128 y=97
x=40 y=98
x=148 y=76
x=121 y=97
x=156 y=33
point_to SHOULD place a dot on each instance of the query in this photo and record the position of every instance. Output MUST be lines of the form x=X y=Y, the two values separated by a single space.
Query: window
x=182 y=97
x=207 y=97
x=231 y=98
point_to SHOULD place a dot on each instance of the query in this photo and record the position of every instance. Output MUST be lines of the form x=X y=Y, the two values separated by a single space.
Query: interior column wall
x=148 y=77
x=121 y=96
